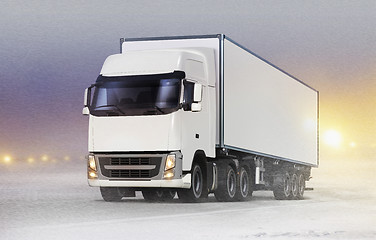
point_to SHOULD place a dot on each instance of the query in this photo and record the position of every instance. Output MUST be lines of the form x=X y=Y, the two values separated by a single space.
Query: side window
x=188 y=95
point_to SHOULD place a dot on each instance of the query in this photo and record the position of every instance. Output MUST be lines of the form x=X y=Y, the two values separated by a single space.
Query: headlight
x=170 y=162
x=91 y=162
x=169 y=174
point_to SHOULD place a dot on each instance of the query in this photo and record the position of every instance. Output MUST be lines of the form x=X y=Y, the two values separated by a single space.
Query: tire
x=158 y=195
x=196 y=193
x=111 y=194
x=282 y=186
x=301 y=186
x=227 y=185
x=244 y=187
x=294 y=187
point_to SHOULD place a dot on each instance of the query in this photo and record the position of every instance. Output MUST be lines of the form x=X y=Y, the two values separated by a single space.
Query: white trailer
x=198 y=115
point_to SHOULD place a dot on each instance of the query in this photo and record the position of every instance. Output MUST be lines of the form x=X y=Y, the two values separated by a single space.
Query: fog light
x=170 y=162
x=92 y=174
x=169 y=174
x=91 y=162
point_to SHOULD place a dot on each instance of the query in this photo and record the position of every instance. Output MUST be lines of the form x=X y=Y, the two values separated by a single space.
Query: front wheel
x=158 y=195
x=111 y=194
x=196 y=192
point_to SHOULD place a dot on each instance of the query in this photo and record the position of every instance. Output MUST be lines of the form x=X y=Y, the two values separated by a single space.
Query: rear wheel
x=196 y=192
x=111 y=194
x=294 y=186
x=282 y=186
x=301 y=186
x=159 y=195
x=227 y=185
x=244 y=191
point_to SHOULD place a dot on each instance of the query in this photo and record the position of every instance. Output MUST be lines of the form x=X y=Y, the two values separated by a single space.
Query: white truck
x=198 y=115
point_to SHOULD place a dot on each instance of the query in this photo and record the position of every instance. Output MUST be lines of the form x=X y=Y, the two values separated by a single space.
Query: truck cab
x=150 y=115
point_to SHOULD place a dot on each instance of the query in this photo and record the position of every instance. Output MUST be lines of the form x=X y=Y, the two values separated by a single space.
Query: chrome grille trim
x=129 y=167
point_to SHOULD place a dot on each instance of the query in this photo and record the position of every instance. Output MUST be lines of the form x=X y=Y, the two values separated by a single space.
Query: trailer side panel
x=266 y=111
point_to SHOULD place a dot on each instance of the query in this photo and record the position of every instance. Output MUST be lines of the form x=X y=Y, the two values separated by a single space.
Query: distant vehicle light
x=332 y=138
x=7 y=159
x=44 y=158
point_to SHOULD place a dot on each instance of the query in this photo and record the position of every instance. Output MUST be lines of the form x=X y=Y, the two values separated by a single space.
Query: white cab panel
x=135 y=133
x=209 y=43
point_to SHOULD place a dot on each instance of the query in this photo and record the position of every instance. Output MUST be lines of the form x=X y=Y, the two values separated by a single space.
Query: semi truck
x=196 y=115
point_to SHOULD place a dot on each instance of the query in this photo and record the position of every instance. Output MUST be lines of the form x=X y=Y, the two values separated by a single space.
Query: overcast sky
x=51 y=51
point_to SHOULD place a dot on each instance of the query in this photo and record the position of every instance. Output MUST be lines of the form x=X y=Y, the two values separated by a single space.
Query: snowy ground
x=55 y=202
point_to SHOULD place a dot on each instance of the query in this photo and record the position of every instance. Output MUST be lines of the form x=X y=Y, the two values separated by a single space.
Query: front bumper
x=137 y=170
x=184 y=182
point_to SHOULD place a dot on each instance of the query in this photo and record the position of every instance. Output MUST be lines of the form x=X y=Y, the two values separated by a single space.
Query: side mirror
x=196 y=107
x=85 y=111
x=85 y=97
x=197 y=92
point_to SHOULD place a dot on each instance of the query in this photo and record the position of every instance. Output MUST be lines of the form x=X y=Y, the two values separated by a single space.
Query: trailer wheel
x=244 y=190
x=301 y=186
x=227 y=185
x=282 y=186
x=111 y=194
x=195 y=193
x=294 y=186
x=159 y=195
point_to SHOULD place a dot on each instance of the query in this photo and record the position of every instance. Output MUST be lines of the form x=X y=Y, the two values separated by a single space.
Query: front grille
x=130 y=161
x=136 y=167
x=130 y=173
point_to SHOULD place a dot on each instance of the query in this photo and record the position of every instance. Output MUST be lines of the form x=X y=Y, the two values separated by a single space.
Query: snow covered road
x=55 y=202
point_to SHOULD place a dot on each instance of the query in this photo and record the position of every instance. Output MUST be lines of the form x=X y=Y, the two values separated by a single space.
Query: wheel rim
x=294 y=185
x=231 y=183
x=197 y=182
x=287 y=185
x=244 y=183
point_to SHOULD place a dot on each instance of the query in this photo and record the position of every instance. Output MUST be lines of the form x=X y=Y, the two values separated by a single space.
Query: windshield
x=136 y=95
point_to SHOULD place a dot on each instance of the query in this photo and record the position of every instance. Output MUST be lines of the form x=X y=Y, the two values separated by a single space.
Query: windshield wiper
x=159 y=109
x=114 y=106
x=155 y=109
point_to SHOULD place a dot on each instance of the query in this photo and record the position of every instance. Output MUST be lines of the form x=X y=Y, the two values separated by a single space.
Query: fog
x=53 y=201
